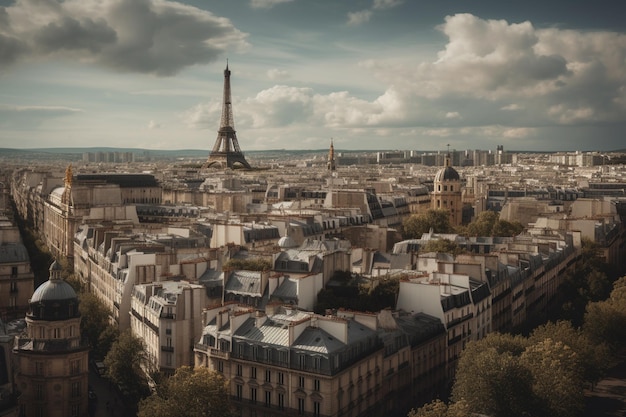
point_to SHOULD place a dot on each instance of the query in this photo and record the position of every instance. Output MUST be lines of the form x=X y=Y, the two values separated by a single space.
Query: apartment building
x=287 y=361
x=110 y=262
x=167 y=316
x=16 y=275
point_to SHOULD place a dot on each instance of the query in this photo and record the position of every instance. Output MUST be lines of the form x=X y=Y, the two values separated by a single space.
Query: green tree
x=126 y=362
x=506 y=228
x=438 y=408
x=441 y=245
x=483 y=224
x=418 y=224
x=593 y=357
x=490 y=378
x=605 y=321
x=557 y=378
x=254 y=264
x=94 y=317
x=105 y=341
x=189 y=393
x=488 y=223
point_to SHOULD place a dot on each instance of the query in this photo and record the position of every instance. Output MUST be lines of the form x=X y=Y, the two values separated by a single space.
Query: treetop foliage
x=436 y=219
x=254 y=264
x=197 y=392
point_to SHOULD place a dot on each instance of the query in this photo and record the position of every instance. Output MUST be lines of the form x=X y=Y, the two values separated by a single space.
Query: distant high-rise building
x=226 y=152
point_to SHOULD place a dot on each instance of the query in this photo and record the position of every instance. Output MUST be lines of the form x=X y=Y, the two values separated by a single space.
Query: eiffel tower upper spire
x=226 y=151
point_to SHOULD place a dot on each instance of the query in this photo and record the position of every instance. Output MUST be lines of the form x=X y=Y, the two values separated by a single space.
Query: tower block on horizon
x=226 y=151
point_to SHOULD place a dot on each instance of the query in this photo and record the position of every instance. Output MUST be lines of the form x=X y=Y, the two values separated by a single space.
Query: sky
x=544 y=75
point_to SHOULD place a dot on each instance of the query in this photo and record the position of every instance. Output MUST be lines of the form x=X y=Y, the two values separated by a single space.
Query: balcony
x=167 y=348
x=216 y=353
x=169 y=316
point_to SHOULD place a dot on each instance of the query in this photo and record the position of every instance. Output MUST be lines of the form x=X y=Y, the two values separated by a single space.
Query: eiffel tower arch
x=226 y=152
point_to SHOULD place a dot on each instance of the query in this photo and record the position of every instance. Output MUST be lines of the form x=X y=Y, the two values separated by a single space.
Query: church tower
x=447 y=194
x=226 y=152
x=331 y=164
x=51 y=357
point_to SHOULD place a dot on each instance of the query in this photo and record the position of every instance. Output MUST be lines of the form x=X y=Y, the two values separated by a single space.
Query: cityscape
x=323 y=252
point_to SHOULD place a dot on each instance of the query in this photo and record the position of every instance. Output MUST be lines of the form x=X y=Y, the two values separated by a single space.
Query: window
x=75 y=389
x=268 y=398
x=38 y=368
x=39 y=392
x=220 y=366
x=13 y=286
x=75 y=367
x=56 y=333
x=253 y=372
x=316 y=409
x=281 y=378
x=239 y=389
x=300 y=405
x=253 y=395
x=268 y=375
x=75 y=410
x=13 y=271
x=281 y=401
x=316 y=384
x=301 y=382
x=239 y=370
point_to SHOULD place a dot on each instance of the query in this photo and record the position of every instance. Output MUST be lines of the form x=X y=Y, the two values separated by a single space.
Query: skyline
x=377 y=74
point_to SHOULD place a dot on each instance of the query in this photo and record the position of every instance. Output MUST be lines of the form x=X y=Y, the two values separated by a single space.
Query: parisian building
x=51 y=357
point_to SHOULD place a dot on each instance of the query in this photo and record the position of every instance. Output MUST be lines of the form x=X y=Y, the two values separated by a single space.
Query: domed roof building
x=55 y=299
x=51 y=356
x=447 y=193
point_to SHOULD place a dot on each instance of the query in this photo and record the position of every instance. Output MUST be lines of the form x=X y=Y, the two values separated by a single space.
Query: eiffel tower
x=226 y=152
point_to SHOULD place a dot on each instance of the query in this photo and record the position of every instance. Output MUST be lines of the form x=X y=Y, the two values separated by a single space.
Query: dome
x=55 y=299
x=287 y=242
x=53 y=290
x=447 y=174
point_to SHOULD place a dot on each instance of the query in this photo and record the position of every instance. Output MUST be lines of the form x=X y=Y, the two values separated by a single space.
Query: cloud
x=386 y=4
x=360 y=17
x=277 y=74
x=492 y=81
x=364 y=16
x=266 y=4
x=28 y=116
x=153 y=125
x=145 y=36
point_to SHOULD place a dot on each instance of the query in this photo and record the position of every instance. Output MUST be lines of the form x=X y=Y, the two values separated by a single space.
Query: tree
x=418 y=224
x=126 y=362
x=593 y=357
x=189 y=392
x=557 y=378
x=255 y=264
x=441 y=245
x=94 y=317
x=438 y=408
x=490 y=378
x=488 y=223
x=105 y=341
x=483 y=224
